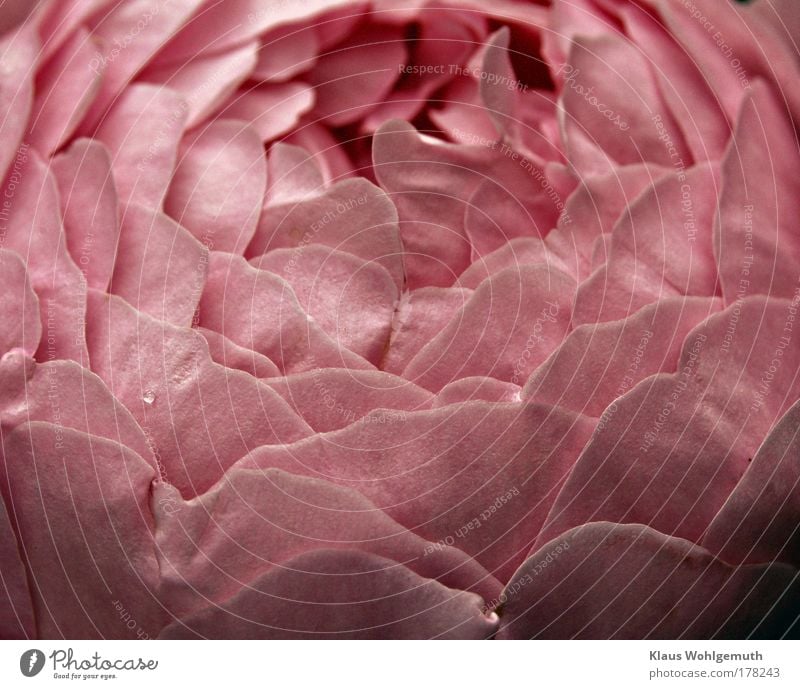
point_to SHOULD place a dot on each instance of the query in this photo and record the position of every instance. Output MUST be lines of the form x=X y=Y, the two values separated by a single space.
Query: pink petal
x=65 y=88
x=101 y=555
x=73 y=396
x=353 y=300
x=598 y=363
x=431 y=183
x=142 y=132
x=508 y=326
x=751 y=51
x=783 y=16
x=760 y=522
x=331 y=155
x=567 y=21
x=340 y=22
x=60 y=20
x=236 y=293
x=229 y=354
x=286 y=52
x=613 y=581
x=160 y=267
x=354 y=77
x=755 y=239
x=19 y=307
x=498 y=88
x=205 y=82
x=218 y=27
x=294 y=174
x=515 y=253
x=19 y=52
x=14 y=13
x=344 y=595
x=660 y=247
x=462 y=115
x=16 y=606
x=130 y=34
x=693 y=104
x=594 y=208
x=32 y=225
x=272 y=109
x=253 y=522
x=538 y=134
x=332 y=398
x=353 y=216
x=670 y=452
x=421 y=315
x=477 y=388
x=445 y=38
x=610 y=99
x=480 y=476
x=174 y=384
x=89 y=207
x=495 y=215
x=218 y=186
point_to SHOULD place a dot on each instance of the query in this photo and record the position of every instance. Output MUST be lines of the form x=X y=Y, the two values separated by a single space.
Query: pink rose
x=397 y=319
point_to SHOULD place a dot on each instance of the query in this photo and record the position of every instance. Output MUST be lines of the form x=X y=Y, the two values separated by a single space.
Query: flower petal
x=218 y=185
x=200 y=417
x=252 y=522
x=130 y=34
x=271 y=109
x=160 y=268
x=343 y=595
x=755 y=237
x=19 y=307
x=670 y=452
x=229 y=354
x=660 y=247
x=353 y=300
x=598 y=363
x=90 y=209
x=611 y=100
x=286 y=52
x=760 y=522
x=65 y=88
x=69 y=395
x=101 y=554
x=478 y=475
x=593 y=209
x=352 y=215
x=32 y=228
x=142 y=132
x=508 y=326
x=613 y=581
x=16 y=606
x=355 y=77
x=235 y=292
x=420 y=316
x=19 y=51
x=331 y=398
x=205 y=82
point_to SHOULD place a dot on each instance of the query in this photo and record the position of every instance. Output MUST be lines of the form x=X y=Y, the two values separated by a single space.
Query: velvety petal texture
x=348 y=319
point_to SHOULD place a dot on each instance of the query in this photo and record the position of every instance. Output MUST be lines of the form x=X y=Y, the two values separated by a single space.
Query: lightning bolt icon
x=32 y=660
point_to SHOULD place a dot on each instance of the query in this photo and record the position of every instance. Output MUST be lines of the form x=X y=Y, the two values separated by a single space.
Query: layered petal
x=200 y=417
x=218 y=186
x=613 y=581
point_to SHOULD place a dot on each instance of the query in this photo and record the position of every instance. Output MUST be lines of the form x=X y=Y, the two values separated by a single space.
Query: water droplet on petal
x=149 y=397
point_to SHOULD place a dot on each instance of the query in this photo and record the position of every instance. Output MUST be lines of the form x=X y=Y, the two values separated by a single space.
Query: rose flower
x=399 y=319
